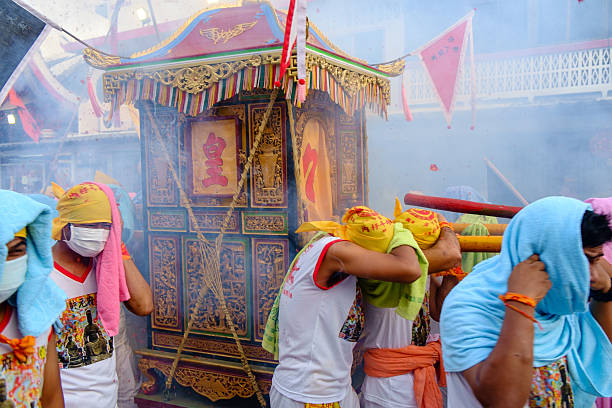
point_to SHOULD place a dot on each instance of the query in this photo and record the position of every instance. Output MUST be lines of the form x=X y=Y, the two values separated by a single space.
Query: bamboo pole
x=507 y=182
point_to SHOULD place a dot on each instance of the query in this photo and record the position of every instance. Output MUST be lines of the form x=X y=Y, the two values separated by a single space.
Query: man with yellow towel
x=401 y=373
x=320 y=312
x=95 y=271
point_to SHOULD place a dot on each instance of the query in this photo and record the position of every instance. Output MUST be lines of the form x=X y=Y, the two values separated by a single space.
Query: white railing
x=527 y=74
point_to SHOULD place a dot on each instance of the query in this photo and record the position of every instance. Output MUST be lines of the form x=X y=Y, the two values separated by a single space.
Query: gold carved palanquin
x=311 y=163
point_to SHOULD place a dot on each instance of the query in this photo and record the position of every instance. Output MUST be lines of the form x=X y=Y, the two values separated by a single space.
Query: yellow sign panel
x=214 y=157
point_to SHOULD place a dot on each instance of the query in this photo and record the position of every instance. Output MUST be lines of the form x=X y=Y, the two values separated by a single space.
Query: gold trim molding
x=394 y=68
x=192 y=79
x=98 y=60
x=195 y=79
x=352 y=82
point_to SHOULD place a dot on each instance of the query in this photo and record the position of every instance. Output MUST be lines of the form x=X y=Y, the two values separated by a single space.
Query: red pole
x=461 y=206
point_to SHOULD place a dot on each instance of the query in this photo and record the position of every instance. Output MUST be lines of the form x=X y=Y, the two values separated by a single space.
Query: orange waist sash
x=420 y=361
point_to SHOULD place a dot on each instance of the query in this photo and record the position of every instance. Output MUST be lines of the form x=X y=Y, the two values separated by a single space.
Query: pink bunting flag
x=442 y=58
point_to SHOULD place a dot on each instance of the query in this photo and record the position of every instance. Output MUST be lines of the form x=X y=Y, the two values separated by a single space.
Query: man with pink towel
x=93 y=268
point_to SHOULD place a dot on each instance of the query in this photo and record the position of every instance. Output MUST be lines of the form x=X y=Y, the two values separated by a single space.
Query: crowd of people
x=64 y=274
x=394 y=298
x=530 y=327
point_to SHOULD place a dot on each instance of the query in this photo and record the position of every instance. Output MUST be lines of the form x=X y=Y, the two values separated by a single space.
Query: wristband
x=526 y=300
x=445 y=224
x=457 y=272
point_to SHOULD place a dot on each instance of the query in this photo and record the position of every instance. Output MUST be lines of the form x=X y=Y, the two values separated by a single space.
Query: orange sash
x=22 y=348
x=411 y=359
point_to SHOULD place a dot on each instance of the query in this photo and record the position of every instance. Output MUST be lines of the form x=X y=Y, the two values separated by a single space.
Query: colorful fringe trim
x=147 y=89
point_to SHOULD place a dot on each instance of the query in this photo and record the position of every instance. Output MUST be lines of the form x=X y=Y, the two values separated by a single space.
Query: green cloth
x=476 y=228
x=270 y=337
x=407 y=299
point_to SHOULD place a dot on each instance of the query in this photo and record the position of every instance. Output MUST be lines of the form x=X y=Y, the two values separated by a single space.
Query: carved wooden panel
x=264 y=223
x=214 y=157
x=214 y=383
x=161 y=186
x=235 y=275
x=270 y=264
x=211 y=221
x=351 y=158
x=349 y=169
x=165 y=282
x=167 y=219
x=217 y=347
x=269 y=173
x=255 y=94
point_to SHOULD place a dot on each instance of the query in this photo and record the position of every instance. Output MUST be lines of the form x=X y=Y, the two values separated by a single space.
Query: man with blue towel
x=532 y=326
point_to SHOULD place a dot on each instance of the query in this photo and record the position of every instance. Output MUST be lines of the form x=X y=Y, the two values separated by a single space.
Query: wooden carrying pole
x=461 y=206
x=494 y=229
x=480 y=243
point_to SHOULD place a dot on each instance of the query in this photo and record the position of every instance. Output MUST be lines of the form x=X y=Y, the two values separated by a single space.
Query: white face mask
x=13 y=275
x=87 y=242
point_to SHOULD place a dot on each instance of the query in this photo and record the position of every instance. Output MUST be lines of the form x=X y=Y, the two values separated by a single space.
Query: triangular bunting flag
x=442 y=58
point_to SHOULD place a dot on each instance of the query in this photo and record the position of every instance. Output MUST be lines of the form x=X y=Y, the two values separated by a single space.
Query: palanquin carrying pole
x=490 y=243
x=461 y=206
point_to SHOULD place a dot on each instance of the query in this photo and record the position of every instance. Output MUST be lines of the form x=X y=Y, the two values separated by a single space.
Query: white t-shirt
x=85 y=351
x=318 y=329
x=460 y=393
x=23 y=382
x=387 y=329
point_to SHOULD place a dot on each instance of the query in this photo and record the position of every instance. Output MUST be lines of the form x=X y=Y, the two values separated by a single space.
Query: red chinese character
x=213 y=149
x=310 y=156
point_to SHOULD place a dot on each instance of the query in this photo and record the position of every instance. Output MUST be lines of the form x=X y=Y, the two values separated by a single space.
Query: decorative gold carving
x=257 y=93
x=232 y=265
x=346 y=120
x=160 y=184
x=349 y=162
x=269 y=174
x=352 y=82
x=192 y=79
x=213 y=347
x=167 y=221
x=196 y=78
x=98 y=60
x=211 y=384
x=210 y=201
x=270 y=263
x=394 y=68
x=263 y=223
x=164 y=277
x=210 y=221
x=150 y=385
x=233 y=110
x=218 y=34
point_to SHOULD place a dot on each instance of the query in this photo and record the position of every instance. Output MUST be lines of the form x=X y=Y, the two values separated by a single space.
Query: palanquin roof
x=220 y=51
